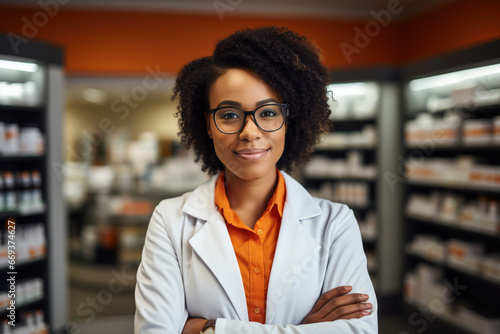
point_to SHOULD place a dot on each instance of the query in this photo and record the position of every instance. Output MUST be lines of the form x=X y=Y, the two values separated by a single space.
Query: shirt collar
x=278 y=198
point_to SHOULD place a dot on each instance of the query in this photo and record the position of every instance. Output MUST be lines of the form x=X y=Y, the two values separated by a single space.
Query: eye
x=228 y=114
x=270 y=111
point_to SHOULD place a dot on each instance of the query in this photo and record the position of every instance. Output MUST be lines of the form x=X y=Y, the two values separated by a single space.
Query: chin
x=251 y=172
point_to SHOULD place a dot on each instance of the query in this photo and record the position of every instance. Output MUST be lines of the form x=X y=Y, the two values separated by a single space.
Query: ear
x=209 y=128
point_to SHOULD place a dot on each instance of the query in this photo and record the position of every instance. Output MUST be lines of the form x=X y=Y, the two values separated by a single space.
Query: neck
x=249 y=198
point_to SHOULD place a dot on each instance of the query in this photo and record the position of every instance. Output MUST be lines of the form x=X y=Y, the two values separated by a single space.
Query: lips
x=251 y=153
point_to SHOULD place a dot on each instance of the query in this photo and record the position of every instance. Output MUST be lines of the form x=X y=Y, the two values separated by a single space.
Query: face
x=251 y=153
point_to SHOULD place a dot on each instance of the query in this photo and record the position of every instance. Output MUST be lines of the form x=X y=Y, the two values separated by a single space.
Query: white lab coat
x=189 y=268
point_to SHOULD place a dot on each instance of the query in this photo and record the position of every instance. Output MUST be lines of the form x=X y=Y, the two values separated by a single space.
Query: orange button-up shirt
x=254 y=248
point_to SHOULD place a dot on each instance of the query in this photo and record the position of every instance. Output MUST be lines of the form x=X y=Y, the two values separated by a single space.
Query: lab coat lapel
x=214 y=247
x=295 y=248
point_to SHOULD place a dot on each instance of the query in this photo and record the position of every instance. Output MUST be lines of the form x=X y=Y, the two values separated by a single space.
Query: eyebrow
x=237 y=104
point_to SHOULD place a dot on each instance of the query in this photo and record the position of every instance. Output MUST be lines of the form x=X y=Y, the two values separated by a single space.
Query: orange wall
x=457 y=25
x=126 y=42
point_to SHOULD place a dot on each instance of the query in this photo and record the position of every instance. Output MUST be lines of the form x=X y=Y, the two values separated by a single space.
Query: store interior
x=89 y=147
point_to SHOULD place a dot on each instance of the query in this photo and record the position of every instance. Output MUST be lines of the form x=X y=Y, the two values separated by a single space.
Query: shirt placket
x=257 y=279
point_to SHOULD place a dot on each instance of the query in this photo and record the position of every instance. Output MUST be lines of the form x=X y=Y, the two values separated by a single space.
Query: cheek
x=221 y=144
x=280 y=140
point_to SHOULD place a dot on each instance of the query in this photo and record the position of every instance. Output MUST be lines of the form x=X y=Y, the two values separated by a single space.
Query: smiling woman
x=251 y=251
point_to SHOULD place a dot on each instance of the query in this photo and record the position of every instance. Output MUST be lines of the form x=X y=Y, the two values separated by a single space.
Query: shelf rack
x=384 y=200
x=45 y=114
x=480 y=290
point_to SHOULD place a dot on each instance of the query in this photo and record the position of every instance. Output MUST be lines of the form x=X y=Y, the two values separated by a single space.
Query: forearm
x=194 y=325
x=367 y=325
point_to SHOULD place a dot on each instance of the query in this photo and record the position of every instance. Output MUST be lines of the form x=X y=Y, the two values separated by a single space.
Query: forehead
x=240 y=85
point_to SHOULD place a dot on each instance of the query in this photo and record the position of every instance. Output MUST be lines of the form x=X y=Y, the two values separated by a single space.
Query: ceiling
x=361 y=9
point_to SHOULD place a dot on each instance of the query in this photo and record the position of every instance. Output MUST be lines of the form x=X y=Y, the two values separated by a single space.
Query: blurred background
x=89 y=146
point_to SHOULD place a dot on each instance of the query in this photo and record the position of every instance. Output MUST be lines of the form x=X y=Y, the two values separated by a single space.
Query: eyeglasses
x=268 y=117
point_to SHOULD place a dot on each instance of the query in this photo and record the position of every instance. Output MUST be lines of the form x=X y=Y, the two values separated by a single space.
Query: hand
x=194 y=326
x=338 y=304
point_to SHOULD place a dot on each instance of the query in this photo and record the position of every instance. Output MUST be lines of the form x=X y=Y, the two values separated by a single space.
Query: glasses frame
x=284 y=107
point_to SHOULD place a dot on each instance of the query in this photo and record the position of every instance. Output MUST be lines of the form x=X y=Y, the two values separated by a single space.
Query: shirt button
x=256 y=270
x=256 y=310
x=259 y=231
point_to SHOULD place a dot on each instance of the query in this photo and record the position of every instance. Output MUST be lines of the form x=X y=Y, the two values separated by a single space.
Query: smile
x=251 y=154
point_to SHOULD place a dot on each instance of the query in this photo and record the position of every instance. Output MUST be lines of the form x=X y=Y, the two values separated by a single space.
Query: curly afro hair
x=287 y=62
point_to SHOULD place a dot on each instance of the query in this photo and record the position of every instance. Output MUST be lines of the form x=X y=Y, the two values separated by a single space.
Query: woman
x=251 y=251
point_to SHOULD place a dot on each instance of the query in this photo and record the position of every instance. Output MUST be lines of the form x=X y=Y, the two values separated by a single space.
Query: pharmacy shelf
x=356 y=207
x=4 y=108
x=454 y=225
x=154 y=195
x=38 y=303
x=24 y=264
x=97 y=276
x=477 y=276
x=349 y=121
x=346 y=178
x=323 y=148
x=480 y=290
x=26 y=157
x=384 y=117
x=452 y=185
x=47 y=88
x=481 y=111
x=16 y=214
x=127 y=220
x=440 y=323
x=462 y=149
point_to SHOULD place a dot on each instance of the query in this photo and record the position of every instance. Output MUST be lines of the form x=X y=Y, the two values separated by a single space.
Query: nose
x=250 y=130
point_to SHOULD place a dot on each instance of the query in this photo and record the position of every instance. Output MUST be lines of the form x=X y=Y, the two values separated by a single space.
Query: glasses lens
x=229 y=119
x=269 y=117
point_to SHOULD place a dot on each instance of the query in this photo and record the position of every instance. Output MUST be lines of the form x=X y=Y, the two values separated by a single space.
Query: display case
x=32 y=253
x=351 y=165
x=452 y=175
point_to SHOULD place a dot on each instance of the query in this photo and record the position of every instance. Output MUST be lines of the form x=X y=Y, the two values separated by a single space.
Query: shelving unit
x=455 y=225
x=452 y=178
x=108 y=224
x=119 y=231
x=351 y=166
x=31 y=75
